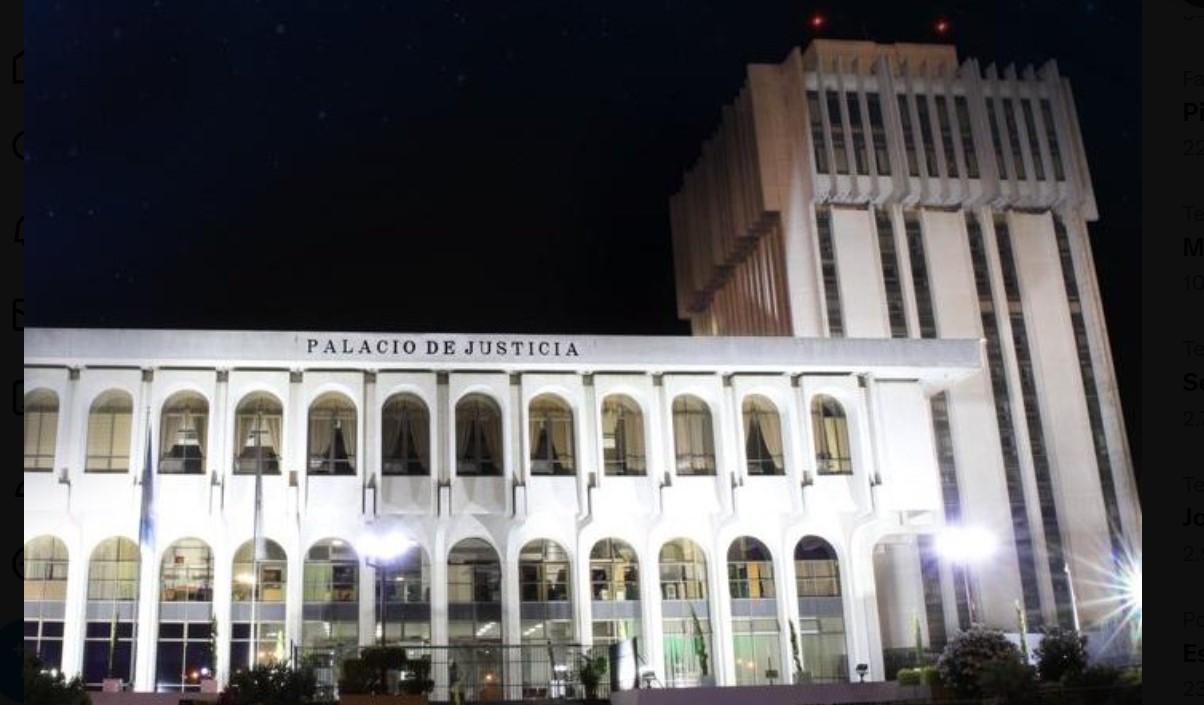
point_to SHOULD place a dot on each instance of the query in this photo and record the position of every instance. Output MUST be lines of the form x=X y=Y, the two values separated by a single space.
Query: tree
x=45 y=687
x=969 y=654
x=1061 y=655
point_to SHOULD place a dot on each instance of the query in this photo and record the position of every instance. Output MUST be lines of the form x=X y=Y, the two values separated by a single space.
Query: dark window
x=878 y=131
x=909 y=137
x=1013 y=134
x=926 y=132
x=838 y=144
x=1034 y=145
x=827 y=256
x=818 y=145
x=1051 y=136
x=946 y=125
x=997 y=140
x=966 y=128
x=890 y=274
x=857 y=128
x=919 y=274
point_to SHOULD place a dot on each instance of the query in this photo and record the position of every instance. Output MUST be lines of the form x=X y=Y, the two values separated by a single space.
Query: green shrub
x=358 y=678
x=1061 y=655
x=44 y=688
x=274 y=684
x=1009 y=681
x=1098 y=676
x=909 y=676
x=931 y=677
x=967 y=655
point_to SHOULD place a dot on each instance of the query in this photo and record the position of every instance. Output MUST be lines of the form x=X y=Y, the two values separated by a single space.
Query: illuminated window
x=110 y=429
x=332 y=435
x=762 y=437
x=551 y=436
x=693 y=436
x=41 y=417
x=183 y=432
x=478 y=437
x=830 y=428
x=258 y=431
x=623 y=436
x=406 y=436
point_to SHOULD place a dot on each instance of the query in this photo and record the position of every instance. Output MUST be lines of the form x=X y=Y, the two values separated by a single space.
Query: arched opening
x=614 y=576
x=623 y=451
x=762 y=437
x=686 y=614
x=407 y=584
x=184 y=434
x=551 y=434
x=332 y=435
x=911 y=606
x=755 y=631
x=258 y=595
x=45 y=563
x=259 y=435
x=330 y=627
x=185 y=652
x=821 y=628
x=405 y=436
x=478 y=437
x=546 y=611
x=830 y=428
x=41 y=419
x=112 y=611
x=110 y=430
x=693 y=436
x=474 y=610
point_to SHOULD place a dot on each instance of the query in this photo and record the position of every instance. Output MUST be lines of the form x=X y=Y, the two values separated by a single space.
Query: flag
x=146 y=525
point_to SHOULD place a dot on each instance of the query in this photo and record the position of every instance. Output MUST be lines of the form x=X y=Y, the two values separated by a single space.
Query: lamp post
x=966 y=545
x=381 y=551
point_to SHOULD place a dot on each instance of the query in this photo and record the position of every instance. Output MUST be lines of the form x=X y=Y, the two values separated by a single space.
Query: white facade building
x=579 y=490
x=868 y=191
x=558 y=489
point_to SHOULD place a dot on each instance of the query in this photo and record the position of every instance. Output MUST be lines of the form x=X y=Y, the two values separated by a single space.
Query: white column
x=861 y=611
x=787 y=603
x=296 y=451
x=370 y=464
x=294 y=615
x=583 y=606
x=723 y=662
x=147 y=628
x=439 y=599
x=512 y=628
x=221 y=428
x=223 y=584
x=367 y=604
x=75 y=612
x=652 y=646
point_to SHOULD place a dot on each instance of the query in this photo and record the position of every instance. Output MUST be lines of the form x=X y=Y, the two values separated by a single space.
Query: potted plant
x=591 y=672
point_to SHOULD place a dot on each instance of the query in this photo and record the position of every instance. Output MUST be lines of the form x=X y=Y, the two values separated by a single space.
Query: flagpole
x=145 y=542
x=257 y=539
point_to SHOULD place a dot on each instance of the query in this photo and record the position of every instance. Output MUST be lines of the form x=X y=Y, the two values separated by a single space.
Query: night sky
x=484 y=166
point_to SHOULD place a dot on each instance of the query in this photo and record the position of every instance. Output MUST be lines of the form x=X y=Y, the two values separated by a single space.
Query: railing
x=479 y=672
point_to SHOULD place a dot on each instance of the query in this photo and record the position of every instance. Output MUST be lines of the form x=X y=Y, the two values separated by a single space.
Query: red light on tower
x=818 y=21
x=942 y=26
